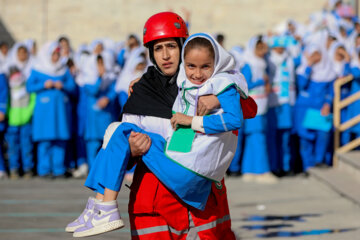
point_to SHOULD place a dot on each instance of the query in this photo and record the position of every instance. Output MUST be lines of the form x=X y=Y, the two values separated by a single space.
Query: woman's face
x=167 y=55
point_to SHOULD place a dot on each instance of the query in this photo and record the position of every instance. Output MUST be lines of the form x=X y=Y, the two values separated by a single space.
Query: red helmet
x=164 y=25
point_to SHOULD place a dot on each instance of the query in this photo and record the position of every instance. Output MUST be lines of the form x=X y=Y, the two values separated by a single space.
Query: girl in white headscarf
x=52 y=83
x=255 y=167
x=98 y=83
x=21 y=108
x=315 y=77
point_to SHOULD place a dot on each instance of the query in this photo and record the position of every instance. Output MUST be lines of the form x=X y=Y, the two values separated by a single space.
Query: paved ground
x=295 y=208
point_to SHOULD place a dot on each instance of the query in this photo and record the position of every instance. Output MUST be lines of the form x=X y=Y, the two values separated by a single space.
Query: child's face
x=199 y=65
x=22 y=54
x=261 y=49
x=279 y=50
x=55 y=56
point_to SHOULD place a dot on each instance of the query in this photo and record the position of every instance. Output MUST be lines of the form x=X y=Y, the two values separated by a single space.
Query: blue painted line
x=47 y=230
x=48 y=214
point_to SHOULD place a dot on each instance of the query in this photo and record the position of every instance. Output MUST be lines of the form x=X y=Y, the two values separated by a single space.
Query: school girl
x=99 y=90
x=353 y=109
x=281 y=102
x=315 y=78
x=255 y=165
x=21 y=107
x=52 y=83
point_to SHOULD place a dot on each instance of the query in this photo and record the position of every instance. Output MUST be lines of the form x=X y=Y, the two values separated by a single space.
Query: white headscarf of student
x=257 y=64
x=13 y=60
x=224 y=62
x=338 y=66
x=128 y=73
x=322 y=71
x=44 y=64
x=89 y=73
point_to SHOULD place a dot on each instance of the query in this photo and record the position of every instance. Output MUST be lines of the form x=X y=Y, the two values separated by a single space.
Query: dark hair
x=220 y=37
x=63 y=38
x=260 y=39
x=3 y=43
x=198 y=43
x=23 y=47
x=99 y=58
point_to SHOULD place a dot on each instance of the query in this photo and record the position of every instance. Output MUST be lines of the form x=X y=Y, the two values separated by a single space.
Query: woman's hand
x=180 y=119
x=139 y=144
x=132 y=83
x=103 y=102
x=325 y=110
x=206 y=104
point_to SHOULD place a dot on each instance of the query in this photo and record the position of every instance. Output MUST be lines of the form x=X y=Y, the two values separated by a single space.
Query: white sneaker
x=84 y=216
x=81 y=172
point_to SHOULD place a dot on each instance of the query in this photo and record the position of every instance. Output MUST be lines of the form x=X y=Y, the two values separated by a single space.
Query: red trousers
x=156 y=213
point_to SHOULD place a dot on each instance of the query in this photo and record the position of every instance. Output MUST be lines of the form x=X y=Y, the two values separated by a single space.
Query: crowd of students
x=56 y=103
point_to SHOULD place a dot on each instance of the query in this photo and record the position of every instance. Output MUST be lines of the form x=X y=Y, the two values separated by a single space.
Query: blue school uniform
x=255 y=159
x=51 y=120
x=279 y=115
x=185 y=183
x=344 y=93
x=314 y=144
x=3 y=107
x=97 y=120
x=353 y=109
x=81 y=110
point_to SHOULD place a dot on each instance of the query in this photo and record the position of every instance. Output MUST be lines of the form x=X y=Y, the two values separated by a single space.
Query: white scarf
x=44 y=64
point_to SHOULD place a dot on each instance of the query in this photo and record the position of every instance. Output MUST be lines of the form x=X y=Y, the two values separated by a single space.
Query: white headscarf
x=89 y=73
x=257 y=64
x=13 y=61
x=338 y=66
x=322 y=71
x=43 y=61
x=128 y=73
x=238 y=54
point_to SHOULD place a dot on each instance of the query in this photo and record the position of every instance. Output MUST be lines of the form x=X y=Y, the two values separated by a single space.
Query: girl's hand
x=180 y=119
x=139 y=144
x=58 y=85
x=2 y=117
x=49 y=84
x=103 y=102
x=206 y=104
x=325 y=110
x=132 y=83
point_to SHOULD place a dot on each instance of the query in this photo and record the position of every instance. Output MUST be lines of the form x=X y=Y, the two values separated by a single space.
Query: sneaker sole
x=72 y=229
x=101 y=229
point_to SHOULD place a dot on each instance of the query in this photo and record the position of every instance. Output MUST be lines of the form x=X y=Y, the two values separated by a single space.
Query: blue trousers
x=51 y=157
x=2 y=160
x=255 y=159
x=279 y=149
x=235 y=165
x=110 y=166
x=314 y=151
x=20 y=147
x=92 y=148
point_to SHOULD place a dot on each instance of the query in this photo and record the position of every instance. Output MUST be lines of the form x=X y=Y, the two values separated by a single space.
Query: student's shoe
x=14 y=175
x=28 y=175
x=81 y=172
x=266 y=178
x=248 y=177
x=84 y=216
x=3 y=175
x=106 y=218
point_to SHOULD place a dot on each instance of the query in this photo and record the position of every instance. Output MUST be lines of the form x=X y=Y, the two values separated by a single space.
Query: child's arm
x=231 y=119
x=3 y=97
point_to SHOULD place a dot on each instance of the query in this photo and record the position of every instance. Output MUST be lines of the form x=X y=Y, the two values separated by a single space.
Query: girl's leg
x=12 y=138
x=58 y=157
x=44 y=156
x=26 y=148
